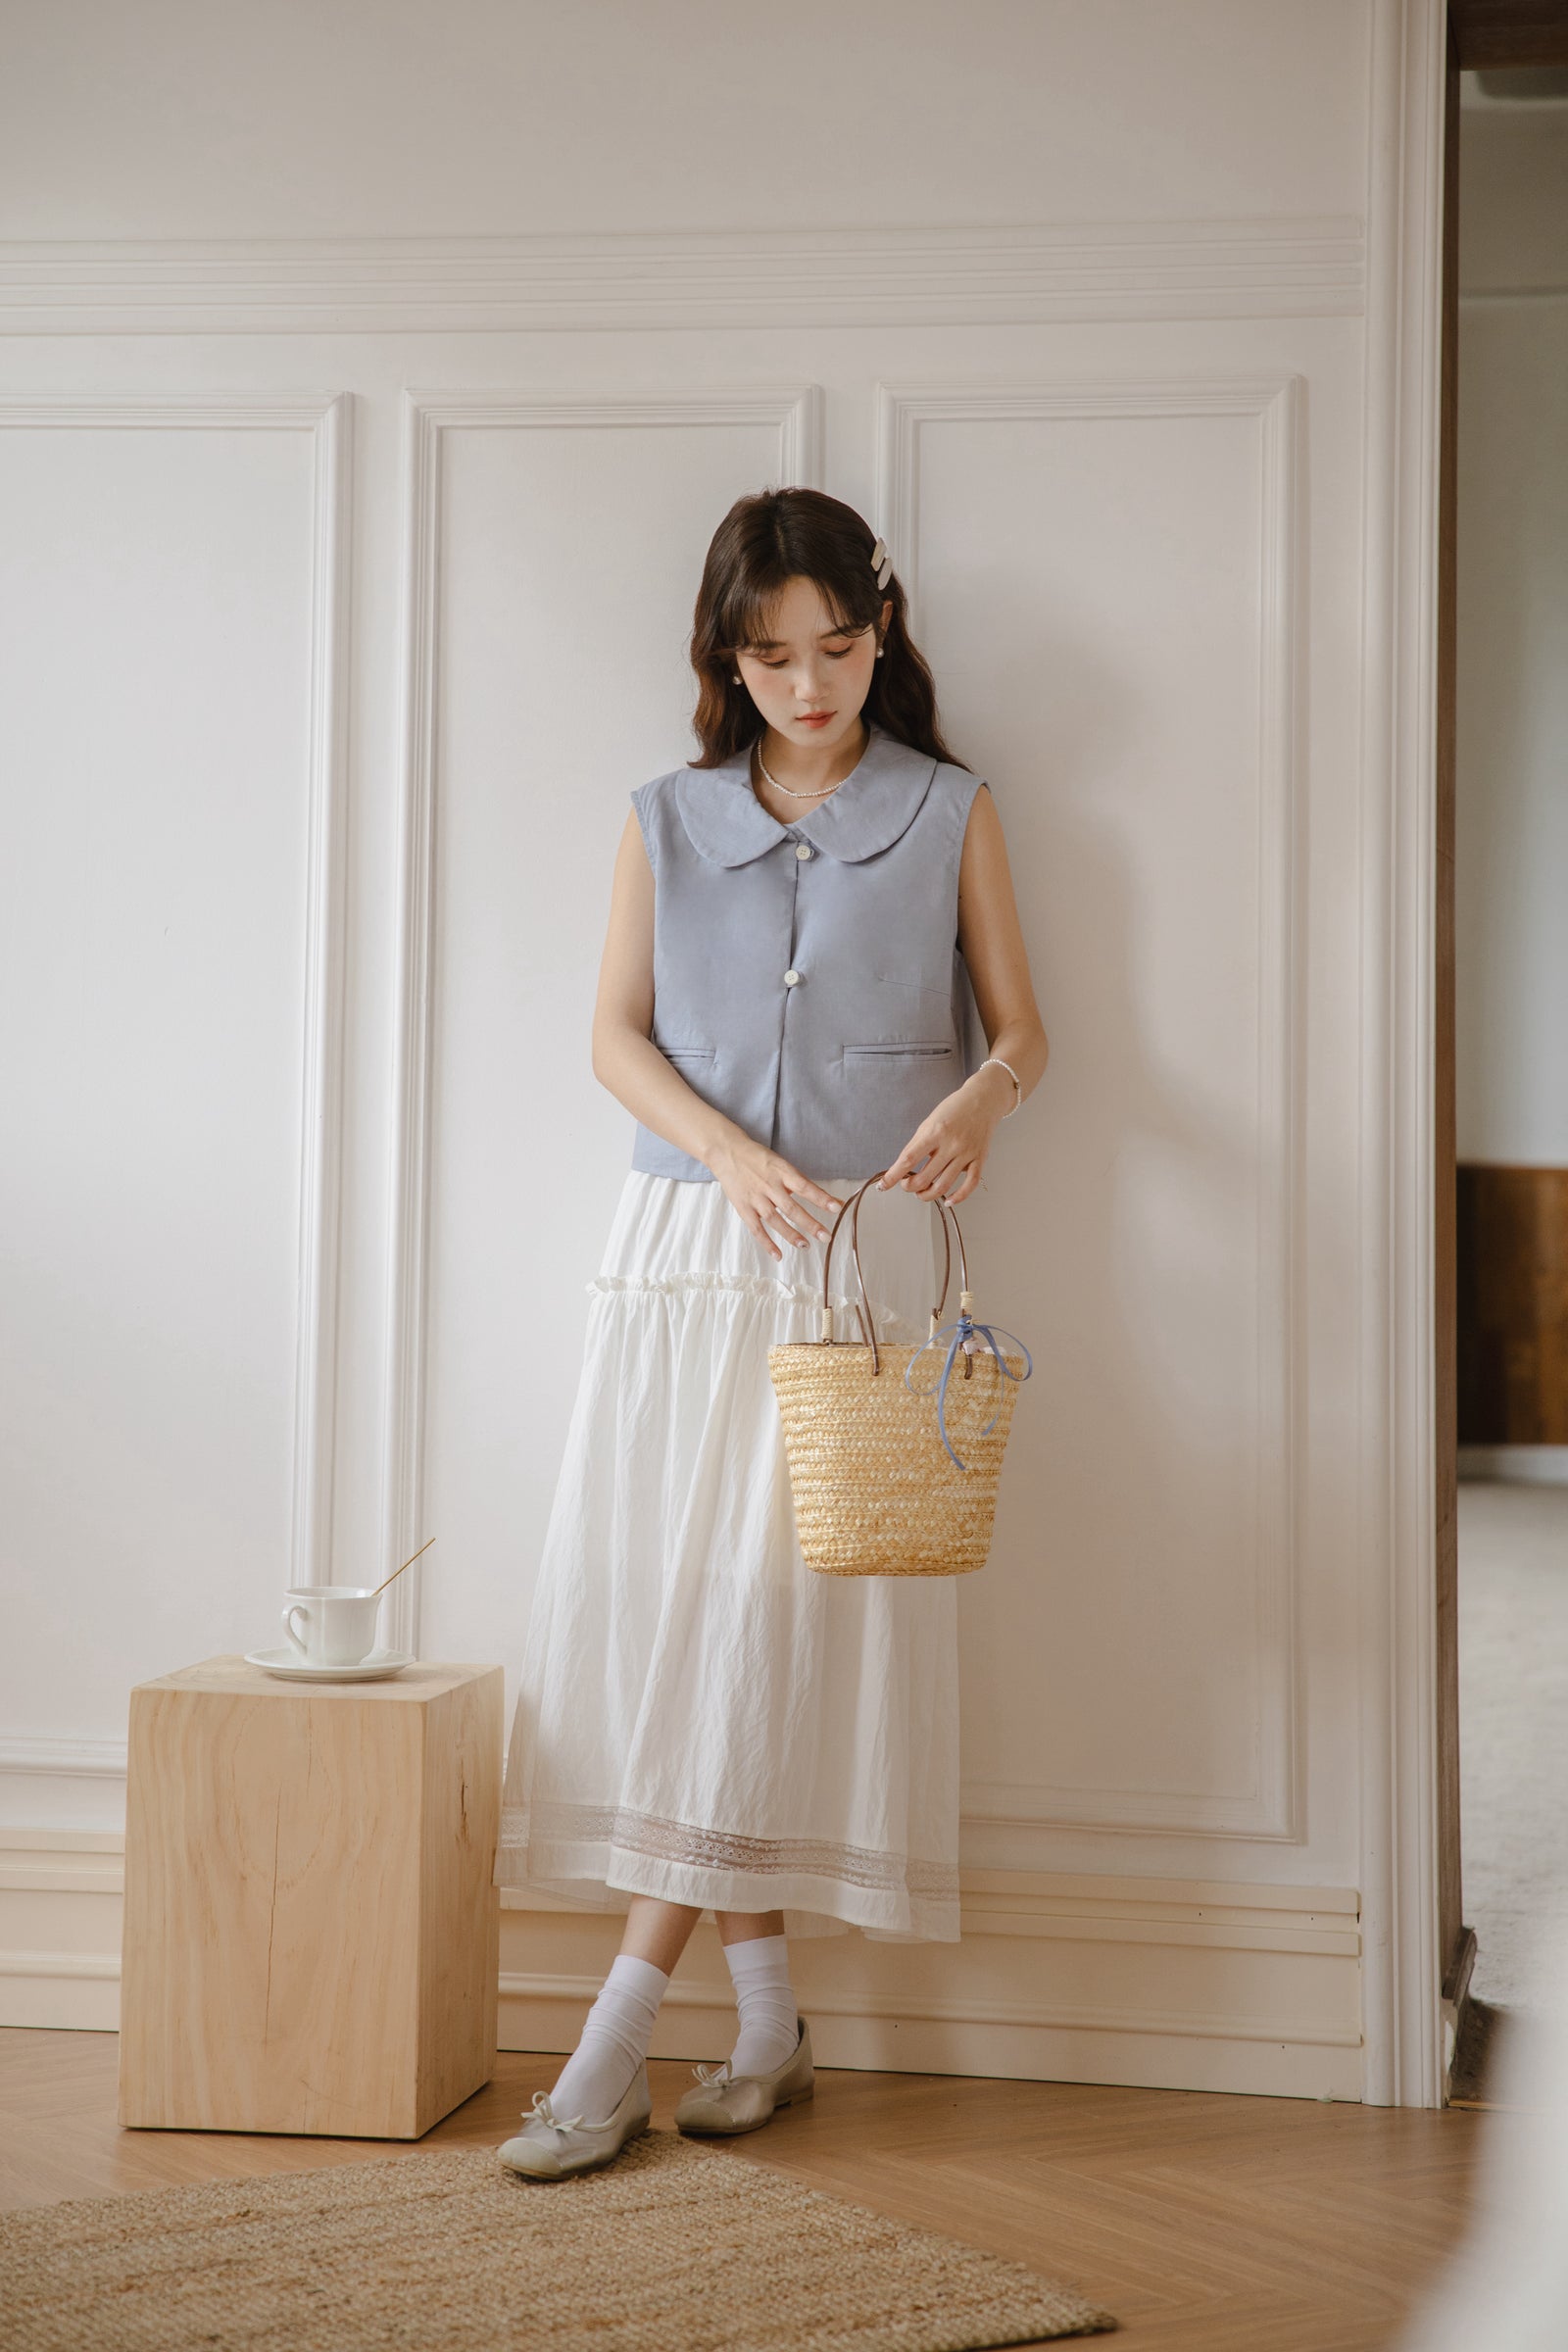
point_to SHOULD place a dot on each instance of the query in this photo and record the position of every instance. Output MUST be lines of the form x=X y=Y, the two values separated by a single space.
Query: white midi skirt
x=700 y=1716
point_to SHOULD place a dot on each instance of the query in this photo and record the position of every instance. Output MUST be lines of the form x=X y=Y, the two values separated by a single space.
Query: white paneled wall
x=174 y=606
x=1116 y=321
x=560 y=536
x=1122 y=558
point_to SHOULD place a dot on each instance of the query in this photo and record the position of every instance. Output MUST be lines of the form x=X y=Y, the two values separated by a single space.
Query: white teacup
x=339 y=1622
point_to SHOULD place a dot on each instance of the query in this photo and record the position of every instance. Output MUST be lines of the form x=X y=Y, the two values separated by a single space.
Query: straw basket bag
x=879 y=1487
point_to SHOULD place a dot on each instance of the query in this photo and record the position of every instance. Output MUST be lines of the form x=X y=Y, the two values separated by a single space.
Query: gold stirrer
x=408 y=1563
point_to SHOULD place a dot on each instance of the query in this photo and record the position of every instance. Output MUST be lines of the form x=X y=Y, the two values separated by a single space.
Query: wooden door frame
x=1396 y=1646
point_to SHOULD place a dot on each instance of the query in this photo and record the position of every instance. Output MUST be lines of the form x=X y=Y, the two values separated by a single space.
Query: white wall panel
x=1104 y=574
x=556 y=541
x=169 y=577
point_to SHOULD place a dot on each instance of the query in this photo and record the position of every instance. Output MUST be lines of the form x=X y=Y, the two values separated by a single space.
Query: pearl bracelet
x=1012 y=1074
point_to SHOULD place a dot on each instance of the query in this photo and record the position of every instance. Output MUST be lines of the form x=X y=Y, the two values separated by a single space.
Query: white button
x=789 y=979
x=803 y=849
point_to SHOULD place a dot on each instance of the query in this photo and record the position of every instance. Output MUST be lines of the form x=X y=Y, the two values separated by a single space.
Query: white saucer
x=287 y=1663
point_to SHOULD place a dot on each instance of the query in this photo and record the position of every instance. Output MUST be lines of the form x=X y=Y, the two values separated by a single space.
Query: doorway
x=1501 y=1143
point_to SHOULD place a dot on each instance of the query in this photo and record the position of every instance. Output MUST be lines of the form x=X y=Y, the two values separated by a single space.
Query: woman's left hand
x=952 y=1140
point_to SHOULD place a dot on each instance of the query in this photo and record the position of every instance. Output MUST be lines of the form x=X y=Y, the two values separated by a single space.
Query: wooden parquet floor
x=1208 y=2223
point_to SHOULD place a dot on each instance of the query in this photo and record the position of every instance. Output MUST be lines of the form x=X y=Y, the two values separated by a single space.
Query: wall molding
x=795 y=412
x=326 y=416
x=60 y=1895
x=93 y=1759
x=1023 y=271
x=1396 y=1636
x=1197 y=2024
x=1195 y=1983
x=1275 y=1807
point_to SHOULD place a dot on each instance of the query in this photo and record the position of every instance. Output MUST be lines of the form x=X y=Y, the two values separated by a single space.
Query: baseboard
x=1183 y=1984
x=59 y=1917
x=1173 y=1984
x=1518 y=1465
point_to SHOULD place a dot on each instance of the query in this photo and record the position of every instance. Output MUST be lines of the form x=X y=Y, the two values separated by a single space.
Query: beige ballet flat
x=723 y=2102
x=549 y=2147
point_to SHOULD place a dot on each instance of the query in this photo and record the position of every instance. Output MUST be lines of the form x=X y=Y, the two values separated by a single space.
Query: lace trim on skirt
x=725 y=1850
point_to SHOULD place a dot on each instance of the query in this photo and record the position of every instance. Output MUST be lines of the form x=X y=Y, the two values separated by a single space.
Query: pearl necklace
x=789 y=792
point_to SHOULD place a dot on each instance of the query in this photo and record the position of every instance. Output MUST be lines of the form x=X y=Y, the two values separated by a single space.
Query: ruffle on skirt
x=700 y=1716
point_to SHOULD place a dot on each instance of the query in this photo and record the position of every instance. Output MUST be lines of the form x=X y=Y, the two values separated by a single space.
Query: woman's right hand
x=769 y=1195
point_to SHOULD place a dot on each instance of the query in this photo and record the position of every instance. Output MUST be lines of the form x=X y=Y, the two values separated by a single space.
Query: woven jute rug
x=674 y=2247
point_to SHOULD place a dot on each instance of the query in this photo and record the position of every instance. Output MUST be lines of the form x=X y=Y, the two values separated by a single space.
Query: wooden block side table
x=312 y=1938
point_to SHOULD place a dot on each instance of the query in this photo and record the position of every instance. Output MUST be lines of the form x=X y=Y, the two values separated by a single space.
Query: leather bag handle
x=851 y=1203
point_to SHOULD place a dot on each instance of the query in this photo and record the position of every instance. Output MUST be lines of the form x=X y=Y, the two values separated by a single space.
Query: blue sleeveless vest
x=807 y=980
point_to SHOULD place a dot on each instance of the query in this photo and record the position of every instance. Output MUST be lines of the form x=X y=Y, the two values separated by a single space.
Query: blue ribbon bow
x=964 y=1331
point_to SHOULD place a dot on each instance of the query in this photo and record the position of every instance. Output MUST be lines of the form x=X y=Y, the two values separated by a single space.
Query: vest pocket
x=688 y=1052
x=934 y=1047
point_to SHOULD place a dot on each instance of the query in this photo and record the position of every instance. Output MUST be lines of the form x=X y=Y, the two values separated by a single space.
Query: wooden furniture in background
x=1513 y=1305
x=312 y=1938
x=1489 y=33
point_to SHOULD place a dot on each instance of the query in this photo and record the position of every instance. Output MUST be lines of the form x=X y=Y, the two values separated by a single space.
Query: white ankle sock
x=760 y=1969
x=614 y=2041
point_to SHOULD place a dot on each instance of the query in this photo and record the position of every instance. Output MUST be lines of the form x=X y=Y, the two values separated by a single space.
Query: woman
x=703 y=1722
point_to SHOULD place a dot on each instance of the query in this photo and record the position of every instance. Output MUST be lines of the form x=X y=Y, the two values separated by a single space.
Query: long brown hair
x=767 y=538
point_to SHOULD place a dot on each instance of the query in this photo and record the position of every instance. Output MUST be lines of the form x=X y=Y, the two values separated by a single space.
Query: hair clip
x=881 y=564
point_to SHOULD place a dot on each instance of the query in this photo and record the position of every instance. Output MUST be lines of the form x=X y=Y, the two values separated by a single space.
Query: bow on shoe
x=713 y=2078
x=963 y=1332
x=544 y=2113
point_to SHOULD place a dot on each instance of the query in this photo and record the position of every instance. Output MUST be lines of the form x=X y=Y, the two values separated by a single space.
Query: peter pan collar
x=877 y=801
